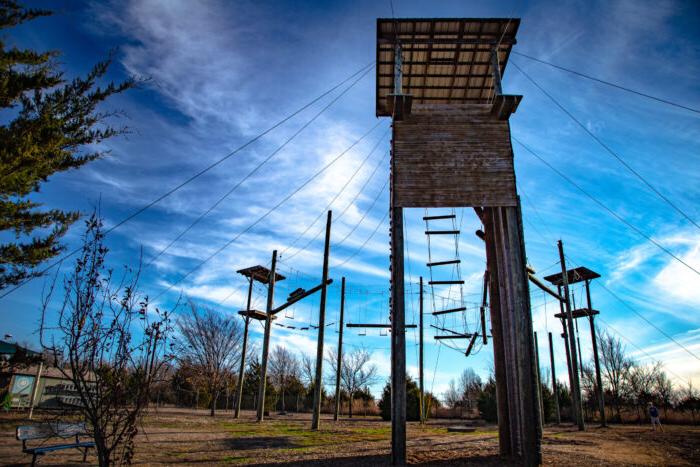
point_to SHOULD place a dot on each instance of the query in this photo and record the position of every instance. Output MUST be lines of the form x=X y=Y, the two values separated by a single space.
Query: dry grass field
x=186 y=437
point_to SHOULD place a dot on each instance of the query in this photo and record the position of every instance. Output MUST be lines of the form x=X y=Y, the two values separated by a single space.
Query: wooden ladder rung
x=442 y=232
x=443 y=263
x=453 y=336
x=445 y=282
x=451 y=310
x=435 y=218
x=471 y=344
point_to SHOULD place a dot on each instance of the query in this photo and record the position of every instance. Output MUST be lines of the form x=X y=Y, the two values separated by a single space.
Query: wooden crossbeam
x=435 y=75
x=542 y=286
x=451 y=310
x=444 y=216
x=454 y=336
x=443 y=263
x=445 y=282
x=492 y=41
x=471 y=344
x=300 y=296
x=442 y=232
x=376 y=325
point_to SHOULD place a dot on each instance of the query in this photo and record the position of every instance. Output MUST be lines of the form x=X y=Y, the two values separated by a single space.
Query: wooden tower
x=440 y=82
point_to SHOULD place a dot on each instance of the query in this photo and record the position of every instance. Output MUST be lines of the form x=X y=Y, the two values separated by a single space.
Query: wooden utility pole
x=482 y=309
x=244 y=350
x=594 y=341
x=539 y=378
x=398 y=335
x=266 y=338
x=398 y=342
x=420 y=354
x=565 y=336
x=555 y=391
x=576 y=388
x=318 y=380
x=339 y=364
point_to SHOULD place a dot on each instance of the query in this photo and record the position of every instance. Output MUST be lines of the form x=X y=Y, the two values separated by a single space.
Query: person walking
x=654 y=415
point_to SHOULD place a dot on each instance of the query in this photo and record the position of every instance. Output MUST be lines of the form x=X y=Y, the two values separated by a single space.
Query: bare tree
x=641 y=380
x=452 y=395
x=616 y=368
x=588 y=384
x=211 y=343
x=663 y=390
x=689 y=400
x=356 y=372
x=469 y=384
x=284 y=369
x=308 y=370
x=111 y=366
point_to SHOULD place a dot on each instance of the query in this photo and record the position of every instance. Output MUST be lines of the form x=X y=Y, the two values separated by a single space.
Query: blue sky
x=221 y=72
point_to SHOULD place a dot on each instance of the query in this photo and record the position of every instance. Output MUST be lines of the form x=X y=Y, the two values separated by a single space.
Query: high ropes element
x=461 y=334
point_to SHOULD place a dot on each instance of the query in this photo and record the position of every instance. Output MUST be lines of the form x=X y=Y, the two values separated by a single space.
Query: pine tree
x=53 y=126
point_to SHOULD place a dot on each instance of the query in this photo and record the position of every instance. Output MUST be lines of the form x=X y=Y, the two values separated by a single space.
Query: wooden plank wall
x=453 y=155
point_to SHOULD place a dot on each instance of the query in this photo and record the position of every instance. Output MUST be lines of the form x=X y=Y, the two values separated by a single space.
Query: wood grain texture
x=453 y=155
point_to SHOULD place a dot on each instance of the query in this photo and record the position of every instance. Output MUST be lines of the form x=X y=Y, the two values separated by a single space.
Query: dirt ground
x=187 y=437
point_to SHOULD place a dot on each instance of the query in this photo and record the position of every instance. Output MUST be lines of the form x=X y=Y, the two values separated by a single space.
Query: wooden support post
x=398 y=342
x=539 y=379
x=318 y=380
x=580 y=358
x=596 y=361
x=578 y=348
x=499 y=357
x=576 y=388
x=565 y=336
x=511 y=322
x=421 y=380
x=482 y=309
x=397 y=309
x=555 y=390
x=244 y=350
x=35 y=389
x=266 y=338
x=339 y=364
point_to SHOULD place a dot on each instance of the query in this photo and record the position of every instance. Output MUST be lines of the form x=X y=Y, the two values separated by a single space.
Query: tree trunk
x=282 y=398
x=350 y=408
x=212 y=408
x=103 y=454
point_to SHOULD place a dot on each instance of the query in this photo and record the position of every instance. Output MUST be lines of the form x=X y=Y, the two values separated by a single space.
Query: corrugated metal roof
x=444 y=60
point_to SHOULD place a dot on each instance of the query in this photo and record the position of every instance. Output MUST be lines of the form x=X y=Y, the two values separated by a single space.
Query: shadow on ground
x=260 y=442
x=488 y=460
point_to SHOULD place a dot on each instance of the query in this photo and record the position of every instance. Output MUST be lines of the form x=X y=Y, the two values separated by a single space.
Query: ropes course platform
x=255 y=314
x=260 y=274
x=578 y=313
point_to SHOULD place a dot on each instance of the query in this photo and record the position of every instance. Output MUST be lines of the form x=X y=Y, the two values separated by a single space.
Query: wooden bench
x=46 y=431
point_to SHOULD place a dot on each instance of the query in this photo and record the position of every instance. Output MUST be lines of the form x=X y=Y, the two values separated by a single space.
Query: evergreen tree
x=251 y=385
x=487 y=403
x=412 y=401
x=53 y=126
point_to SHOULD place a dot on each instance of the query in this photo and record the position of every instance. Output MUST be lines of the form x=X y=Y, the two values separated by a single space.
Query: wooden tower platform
x=440 y=82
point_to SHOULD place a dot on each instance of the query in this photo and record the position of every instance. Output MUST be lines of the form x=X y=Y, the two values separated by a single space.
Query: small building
x=54 y=389
x=23 y=375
